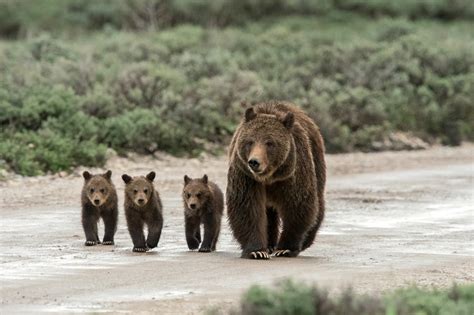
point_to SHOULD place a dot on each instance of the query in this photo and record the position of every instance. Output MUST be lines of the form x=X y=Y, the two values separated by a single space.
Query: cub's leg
x=89 y=224
x=110 y=222
x=135 y=228
x=191 y=229
x=211 y=232
x=154 y=232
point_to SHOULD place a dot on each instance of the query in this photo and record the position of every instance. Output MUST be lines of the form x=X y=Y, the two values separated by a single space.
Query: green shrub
x=290 y=298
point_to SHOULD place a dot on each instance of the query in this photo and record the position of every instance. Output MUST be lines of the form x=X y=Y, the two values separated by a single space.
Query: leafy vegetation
x=296 y=298
x=80 y=76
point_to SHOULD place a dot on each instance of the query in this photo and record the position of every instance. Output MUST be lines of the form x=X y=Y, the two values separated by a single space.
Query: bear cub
x=203 y=204
x=99 y=200
x=143 y=206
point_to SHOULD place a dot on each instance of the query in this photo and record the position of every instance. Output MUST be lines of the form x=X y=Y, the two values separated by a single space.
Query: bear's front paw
x=286 y=253
x=140 y=249
x=108 y=243
x=258 y=255
x=271 y=249
x=91 y=243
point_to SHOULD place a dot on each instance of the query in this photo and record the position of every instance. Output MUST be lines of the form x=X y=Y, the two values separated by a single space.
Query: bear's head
x=139 y=189
x=97 y=187
x=196 y=192
x=264 y=143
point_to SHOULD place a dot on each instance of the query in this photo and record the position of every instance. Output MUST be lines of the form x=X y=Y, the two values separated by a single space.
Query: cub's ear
x=250 y=114
x=126 y=178
x=108 y=174
x=150 y=176
x=186 y=179
x=204 y=179
x=87 y=175
x=288 y=120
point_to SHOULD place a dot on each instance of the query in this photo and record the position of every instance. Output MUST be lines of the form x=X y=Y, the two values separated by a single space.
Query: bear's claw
x=282 y=253
x=259 y=255
x=108 y=243
x=140 y=249
x=91 y=243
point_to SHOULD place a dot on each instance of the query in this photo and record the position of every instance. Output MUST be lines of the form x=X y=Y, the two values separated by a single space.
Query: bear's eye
x=92 y=190
x=135 y=191
x=269 y=144
x=199 y=195
x=248 y=144
x=188 y=195
x=145 y=191
x=102 y=190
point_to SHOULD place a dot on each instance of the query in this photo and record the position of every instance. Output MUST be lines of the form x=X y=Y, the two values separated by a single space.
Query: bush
x=180 y=90
x=297 y=298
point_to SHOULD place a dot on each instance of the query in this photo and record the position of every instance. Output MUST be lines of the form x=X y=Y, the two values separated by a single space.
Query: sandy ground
x=393 y=219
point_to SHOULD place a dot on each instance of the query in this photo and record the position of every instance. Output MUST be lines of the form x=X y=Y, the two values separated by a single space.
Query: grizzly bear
x=277 y=175
x=99 y=200
x=143 y=206
x=203 y=203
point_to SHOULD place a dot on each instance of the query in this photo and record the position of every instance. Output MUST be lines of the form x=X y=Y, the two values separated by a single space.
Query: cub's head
x=139 y=189
x=264 y=142
x=97 y=188
x=196 y=192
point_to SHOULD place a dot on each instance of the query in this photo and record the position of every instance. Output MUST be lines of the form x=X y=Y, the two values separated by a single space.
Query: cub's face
x=139 y=189
x=195 y=193
x=264 y=143
x=97 y=187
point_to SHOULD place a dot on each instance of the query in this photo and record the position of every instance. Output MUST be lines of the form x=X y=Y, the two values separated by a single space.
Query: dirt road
x=392 y=219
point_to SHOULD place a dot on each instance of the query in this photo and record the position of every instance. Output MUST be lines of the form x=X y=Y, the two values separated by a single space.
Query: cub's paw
x=193 y=244
x=140 y=249
x=108 y=243
x=258 y=255
x=91 y=243
x=286 y=253
x=205 y=249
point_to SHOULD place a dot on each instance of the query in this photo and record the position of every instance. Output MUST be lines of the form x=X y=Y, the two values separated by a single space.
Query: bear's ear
x=86 y=175
x=250 y=114
x=204 y=179
x=126 y=178
x=288 y=120
x=150 y=176
x=186 y=179
x=108 y=174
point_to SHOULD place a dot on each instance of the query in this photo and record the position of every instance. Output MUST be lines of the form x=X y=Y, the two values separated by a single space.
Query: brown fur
x=143 y=206
x=203 y=204
x=287 y=184
x=99 y=200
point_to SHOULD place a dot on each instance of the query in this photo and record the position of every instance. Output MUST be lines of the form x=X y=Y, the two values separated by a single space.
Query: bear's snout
x=254 y=164
x=96 y=202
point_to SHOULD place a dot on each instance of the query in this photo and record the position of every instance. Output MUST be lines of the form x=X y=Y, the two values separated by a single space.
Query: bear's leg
x=89 y=224
x=135 y=228
x=110 y=223
x=216 y=237
x=197 y=235
x=295 y=228
x=210 y=231
x=272 y=228
x=247 y=214
x=192 y=228
x=309 y=239
x=154 y=232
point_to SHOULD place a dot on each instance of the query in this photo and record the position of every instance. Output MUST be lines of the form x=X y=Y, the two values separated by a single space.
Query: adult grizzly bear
x=276 y=173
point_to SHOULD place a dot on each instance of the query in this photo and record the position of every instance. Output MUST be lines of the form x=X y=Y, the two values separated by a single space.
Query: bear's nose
x=141 y=200
x=254 y=164
x=193 y=206
x=96 y=201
